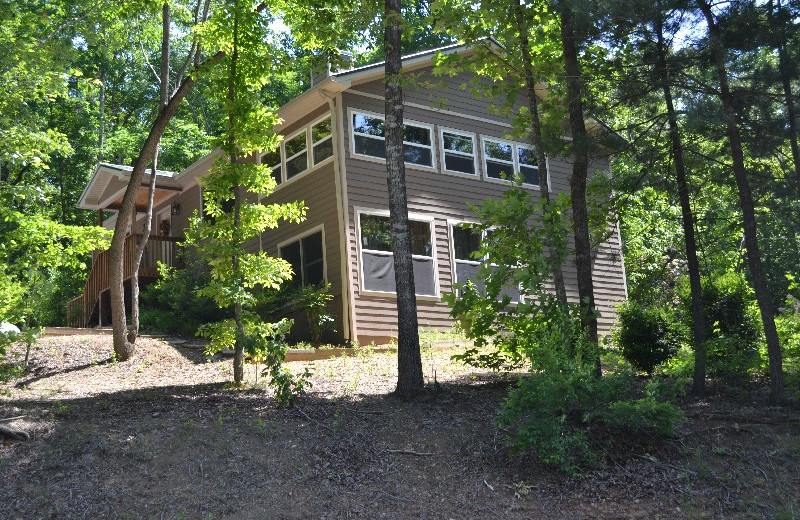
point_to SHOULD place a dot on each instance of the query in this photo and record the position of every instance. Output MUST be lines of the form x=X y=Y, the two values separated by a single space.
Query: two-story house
x=457 y=152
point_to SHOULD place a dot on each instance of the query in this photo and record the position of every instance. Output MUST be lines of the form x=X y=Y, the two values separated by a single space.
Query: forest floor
x=164 y=436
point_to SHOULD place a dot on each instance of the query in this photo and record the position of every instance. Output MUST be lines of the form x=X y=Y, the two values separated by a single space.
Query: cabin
x=457 y=152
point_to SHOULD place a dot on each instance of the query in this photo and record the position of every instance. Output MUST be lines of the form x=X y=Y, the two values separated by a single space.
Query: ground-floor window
x=377 y=260
x=465 y=243
x=307 y=258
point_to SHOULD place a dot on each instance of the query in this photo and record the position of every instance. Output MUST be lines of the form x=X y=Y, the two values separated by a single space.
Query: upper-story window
x=458 y=152
x=296 y=155
x=369 y=139
x=502 y=159
x=321 y=140
x=273 y=160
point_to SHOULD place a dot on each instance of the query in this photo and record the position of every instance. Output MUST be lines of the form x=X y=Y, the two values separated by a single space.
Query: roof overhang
x=108 y=183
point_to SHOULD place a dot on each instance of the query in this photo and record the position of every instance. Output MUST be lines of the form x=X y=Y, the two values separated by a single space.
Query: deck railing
x=158 y=249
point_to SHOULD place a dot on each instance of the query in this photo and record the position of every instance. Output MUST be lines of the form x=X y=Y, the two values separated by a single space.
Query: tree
x=746 y=202
x=123 y=346
x=409 y=360
x=230 y=219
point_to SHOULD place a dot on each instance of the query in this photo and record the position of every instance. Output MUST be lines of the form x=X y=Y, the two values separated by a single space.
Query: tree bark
x=693 y=264
x=538 y=145
x=238 y=356
x=759 y=282
x=580 y=173
x=141 y=245
x=122 y=348
x=409 y=361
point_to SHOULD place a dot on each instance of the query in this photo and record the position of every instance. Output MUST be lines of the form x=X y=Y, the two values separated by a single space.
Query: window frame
x=430 y=220
x=451 y=244
x=286 y=158
x=310 y=140
x=515 y=161
x=442 y=152
x=299 y=238
x=419 y=124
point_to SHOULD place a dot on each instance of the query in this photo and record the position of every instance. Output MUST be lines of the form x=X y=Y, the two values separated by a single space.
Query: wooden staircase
x=159 y=249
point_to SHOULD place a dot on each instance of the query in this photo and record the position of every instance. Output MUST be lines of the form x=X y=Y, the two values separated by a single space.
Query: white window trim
x=282 y=151
x=451 y=223
x=382 y=160
x=393 y=294
x=313 y=143
x=442 y=151
x=300 y=237
x=514 y=157
x=286 y=159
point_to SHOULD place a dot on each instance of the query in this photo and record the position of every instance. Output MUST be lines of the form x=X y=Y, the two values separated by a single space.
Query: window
x=296 y=155
x=377 y=262
x=458 y=152
x=322 y=142
x=465 y=243
x=273 y=160
x=307 y=258
x=369 y=139
x=502 y=159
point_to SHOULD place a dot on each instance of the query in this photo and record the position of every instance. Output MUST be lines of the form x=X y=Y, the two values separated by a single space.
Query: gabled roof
x=108 y=182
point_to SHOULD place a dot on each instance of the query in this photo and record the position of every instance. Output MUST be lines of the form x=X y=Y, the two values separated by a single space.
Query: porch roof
x=106 y=188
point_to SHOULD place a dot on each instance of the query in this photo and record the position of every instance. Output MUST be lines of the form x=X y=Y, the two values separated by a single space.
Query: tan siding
x=446 y=197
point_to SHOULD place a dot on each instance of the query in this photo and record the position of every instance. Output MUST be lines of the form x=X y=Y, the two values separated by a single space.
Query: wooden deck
x=159 y=249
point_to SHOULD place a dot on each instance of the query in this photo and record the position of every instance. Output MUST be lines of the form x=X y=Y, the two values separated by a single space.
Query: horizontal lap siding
x=446 y=197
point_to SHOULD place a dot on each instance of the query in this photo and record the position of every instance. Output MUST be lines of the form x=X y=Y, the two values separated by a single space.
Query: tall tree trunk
x=101 y=137
x=238 y=356
x=409 y=361
x=141 y=245
x=698 y=316
x=123 y=349
x=759 y=281
x=791 y=112
x=523 y=27
x=580 y=173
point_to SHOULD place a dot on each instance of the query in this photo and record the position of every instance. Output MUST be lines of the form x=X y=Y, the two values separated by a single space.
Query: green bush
x=310 y=301
x=734 y=327
x=646 y=336
x=172 y=305
x=564 y=417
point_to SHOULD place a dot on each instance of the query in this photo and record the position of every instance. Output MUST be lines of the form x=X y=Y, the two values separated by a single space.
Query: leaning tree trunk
x=409 y=361
x=538 y=146
x=759 y=281
x=580 y=173
x=123 y=349
x=698 y=316
x=133 y=333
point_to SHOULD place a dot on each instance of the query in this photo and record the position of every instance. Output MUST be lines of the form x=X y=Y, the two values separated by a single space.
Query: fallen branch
x=314 y=420
x=411 y=452
x=751 y=419
x=9 y=419
x=14 y=435
x=373 y=412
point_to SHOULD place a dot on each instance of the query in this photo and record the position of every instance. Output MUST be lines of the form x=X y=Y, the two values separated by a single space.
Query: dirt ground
x=162 y=436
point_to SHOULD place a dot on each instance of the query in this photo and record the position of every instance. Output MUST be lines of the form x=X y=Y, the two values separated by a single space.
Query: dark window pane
x=420 y=238
x=312 y=248
x=376 y=233
x=271 y=158
x=416 y=135
x=371 y=147
x=424 y=277
x=314 y=273
x=367 y=125
x=499 y=170
x=323 y=150
x=295 y=145
x=415 y=155
x=459 y=163
x=276 y=174
x=321 y=130
x=291 y=253
x=458 y=143
x=297 y=165
x=498 y=150
x=526 y=156
x=531 y=174
x=465 y=242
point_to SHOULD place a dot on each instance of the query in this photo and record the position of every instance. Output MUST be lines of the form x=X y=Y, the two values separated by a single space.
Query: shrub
x=646 y=336
x=310 y=301
x=172 y=305
x=734 y=327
